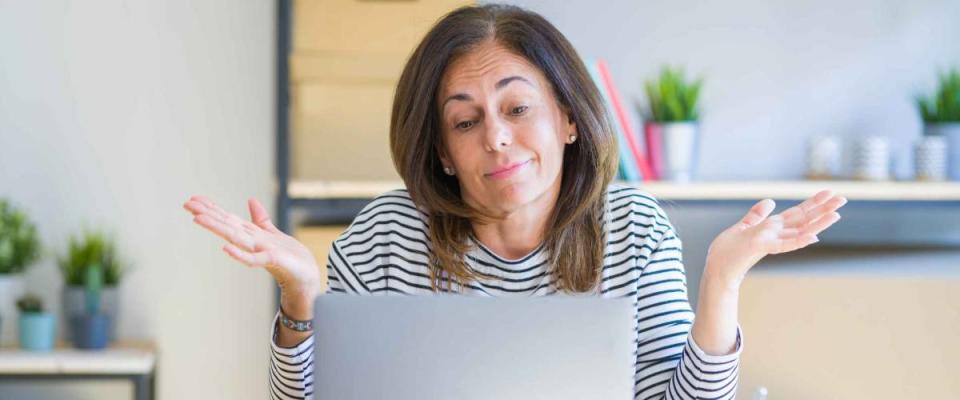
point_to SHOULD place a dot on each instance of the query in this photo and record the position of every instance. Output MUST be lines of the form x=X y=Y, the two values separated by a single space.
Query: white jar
x=930 y=158
x=823 y=157
x=871 y=158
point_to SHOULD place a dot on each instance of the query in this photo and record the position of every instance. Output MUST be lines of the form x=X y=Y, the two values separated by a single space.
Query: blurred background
x=113 y=113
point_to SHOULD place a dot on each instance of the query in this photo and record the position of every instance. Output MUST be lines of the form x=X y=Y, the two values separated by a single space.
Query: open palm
x=258 y=243
x=757 y=234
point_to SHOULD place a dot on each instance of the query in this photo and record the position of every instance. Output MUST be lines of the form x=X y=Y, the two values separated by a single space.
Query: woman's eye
x=519 y=110
x=464 y=125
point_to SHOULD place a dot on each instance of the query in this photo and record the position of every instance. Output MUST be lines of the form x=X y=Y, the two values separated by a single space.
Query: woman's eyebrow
x=505 y=81
x=500 y=85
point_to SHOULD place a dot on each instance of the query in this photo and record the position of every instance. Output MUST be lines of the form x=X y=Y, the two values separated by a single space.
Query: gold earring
x=572 y=138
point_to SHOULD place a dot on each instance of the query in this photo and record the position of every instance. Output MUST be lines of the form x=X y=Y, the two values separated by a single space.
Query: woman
x=507 y=155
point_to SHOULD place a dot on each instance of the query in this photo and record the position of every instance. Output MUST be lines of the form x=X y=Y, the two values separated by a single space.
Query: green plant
x=19 y=242
x=30 y=303
x=672 y=98
x=944 y=105
x=92 y=250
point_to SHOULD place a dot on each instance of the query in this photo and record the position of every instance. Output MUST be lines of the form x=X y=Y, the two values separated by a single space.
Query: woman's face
x=503 y=130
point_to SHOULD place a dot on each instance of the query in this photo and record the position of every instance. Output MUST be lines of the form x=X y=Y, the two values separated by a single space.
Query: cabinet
x=338 y=62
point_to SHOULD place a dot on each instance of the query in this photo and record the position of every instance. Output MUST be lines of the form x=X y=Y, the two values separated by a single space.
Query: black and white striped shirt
x=385 y=251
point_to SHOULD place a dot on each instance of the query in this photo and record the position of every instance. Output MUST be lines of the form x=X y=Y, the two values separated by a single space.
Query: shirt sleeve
x=291 y=368
x=670 y=364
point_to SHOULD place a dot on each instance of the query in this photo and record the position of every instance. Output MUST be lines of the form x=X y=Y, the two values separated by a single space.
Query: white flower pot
x=11 y=288
x=680 y=148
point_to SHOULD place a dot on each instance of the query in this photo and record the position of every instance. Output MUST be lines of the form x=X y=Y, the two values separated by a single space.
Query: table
x=134 y=361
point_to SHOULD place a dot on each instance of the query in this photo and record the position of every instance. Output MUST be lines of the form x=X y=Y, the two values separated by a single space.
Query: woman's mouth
x=508 y=171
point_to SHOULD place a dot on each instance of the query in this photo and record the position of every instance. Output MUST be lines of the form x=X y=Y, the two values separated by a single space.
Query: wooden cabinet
x=347 y=56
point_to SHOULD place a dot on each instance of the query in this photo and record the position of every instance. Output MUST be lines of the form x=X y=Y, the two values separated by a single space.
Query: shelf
x=696 y=191
x=329 y=190
x=118 y=359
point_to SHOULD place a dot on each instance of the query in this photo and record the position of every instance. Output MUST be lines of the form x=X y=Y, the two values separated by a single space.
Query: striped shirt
x=385 y=250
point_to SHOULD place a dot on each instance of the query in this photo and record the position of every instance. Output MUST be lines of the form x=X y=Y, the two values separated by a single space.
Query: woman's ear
x=571 y=124
x=442 y=154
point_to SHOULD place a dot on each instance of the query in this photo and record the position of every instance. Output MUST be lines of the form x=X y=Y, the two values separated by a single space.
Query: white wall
x=776 y=72
x=112 y=113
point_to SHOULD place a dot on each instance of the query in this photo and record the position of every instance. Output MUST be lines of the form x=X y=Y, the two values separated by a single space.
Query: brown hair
x=574 y=236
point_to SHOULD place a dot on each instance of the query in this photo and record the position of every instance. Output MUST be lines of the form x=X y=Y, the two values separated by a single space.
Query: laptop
x=465 y=347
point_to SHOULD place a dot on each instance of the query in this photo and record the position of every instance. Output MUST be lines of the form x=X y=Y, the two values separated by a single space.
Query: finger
x=195 y=207
x=800 y=211
x=821 y=224
x=802 y=219
x=259 y=215
x=262 y=259
x=227 y=222
x=211 y=208
x=230 y=233
x=758 y=212
x=201 y=205
x=198 y=208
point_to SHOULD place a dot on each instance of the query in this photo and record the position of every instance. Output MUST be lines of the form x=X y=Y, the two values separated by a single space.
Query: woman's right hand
x=258 y=243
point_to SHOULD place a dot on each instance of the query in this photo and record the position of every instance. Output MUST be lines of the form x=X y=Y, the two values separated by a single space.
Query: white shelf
x=316 y=189
x=730 y=190
x=120 y=359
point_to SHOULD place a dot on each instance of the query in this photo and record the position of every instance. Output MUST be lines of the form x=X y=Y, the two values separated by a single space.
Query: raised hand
x=258 y=243
x=740 y=247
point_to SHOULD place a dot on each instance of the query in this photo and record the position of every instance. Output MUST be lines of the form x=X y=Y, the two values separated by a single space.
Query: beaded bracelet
x=295 y=324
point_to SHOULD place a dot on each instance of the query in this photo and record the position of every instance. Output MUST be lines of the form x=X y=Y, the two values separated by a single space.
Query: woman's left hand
x=740 y=247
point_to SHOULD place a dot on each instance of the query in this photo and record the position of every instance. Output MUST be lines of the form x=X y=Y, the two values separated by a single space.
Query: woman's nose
x=498 y=135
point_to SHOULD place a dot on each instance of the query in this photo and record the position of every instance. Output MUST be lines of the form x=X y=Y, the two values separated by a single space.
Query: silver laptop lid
x=462 y=347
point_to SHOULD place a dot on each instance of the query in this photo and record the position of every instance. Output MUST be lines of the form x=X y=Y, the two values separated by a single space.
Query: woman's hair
x=574 y=235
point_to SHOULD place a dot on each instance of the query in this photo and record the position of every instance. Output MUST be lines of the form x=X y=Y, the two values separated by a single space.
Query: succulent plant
x=672 y=98
x=30 y=303
x=93 y=249
x=19 y=242
x=944 y=105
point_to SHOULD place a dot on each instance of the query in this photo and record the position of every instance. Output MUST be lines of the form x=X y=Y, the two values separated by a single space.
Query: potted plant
x=19 y=248
x=941 y=117
x=91 y=250
x=37 y=328
x=672 y=125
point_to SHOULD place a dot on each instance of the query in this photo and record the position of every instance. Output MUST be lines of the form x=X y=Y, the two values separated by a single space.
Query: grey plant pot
x=73 y=306
x=951 y=133
x=91 y=331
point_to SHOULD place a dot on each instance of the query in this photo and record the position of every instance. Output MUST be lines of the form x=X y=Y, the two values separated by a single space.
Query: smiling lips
x=507 y=171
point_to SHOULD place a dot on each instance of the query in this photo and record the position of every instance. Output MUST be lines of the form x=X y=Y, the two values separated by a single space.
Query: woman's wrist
x=714 y=329
x=298 y=305
x=719 y=279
